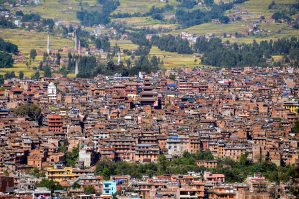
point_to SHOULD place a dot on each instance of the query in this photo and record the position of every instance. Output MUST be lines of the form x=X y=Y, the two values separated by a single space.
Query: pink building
x=214 y=178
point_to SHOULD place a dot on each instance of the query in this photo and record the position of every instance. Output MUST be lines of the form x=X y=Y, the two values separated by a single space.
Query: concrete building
x=55 y=123
x=52 y=92
x=59 y=174
x=85 y=157
x=109 y=187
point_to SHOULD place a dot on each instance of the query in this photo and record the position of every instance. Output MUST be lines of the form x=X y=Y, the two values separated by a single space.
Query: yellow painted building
x=58 y=175
x=292 y=106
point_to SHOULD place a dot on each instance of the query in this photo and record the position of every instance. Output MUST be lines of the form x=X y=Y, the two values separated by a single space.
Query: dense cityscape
x=156 y=99
x=188 y=133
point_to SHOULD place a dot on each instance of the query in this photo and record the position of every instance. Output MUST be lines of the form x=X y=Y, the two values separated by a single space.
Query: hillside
x=150 y=17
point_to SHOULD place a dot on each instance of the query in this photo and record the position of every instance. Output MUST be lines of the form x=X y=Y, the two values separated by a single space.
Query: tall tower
x=79 y=49
x=118 y=60
x=76 y=44
x=76 y=67
x=48 y=44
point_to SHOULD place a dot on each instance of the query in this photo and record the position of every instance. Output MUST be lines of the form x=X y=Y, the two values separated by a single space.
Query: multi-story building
x=109 y=187
x=177 y=145
x=59 y=173
x=214 y=178
x=55 y=123
x=146 y=152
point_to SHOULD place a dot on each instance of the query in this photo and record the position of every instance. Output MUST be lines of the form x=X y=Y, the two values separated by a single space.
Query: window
x=106 y=185
x=106 y=191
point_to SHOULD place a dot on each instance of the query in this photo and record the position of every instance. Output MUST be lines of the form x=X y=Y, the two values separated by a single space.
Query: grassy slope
x=255 y=7
x=49 y=9
x=27 y=41
x=141 y=6
x=58 y=9
x=176 y=59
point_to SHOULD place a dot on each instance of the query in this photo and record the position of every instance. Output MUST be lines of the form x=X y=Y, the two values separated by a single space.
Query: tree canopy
x=50 y=184
x=216 y=53
x=33 y=54
x=72 y=157
x=28 y=110
x=8 y=47
x=6 y=60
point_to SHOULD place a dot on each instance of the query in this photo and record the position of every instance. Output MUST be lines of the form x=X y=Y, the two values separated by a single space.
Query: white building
x=177 y=145
x=85 y=157
x=52 y=91
x=97 y=32
x=18 y=23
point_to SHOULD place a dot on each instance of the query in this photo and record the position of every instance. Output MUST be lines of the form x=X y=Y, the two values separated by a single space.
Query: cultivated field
x=141 y=6
x=258 y=7
x=174 y=60
x=27 y=41
x=59 y=10
x=65 y=11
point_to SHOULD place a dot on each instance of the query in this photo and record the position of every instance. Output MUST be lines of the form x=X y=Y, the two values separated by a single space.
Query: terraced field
x=59 y=10
x=65 y=11
x=27 y=41
x=258 y=7
x=141 y=6
x=173 y=60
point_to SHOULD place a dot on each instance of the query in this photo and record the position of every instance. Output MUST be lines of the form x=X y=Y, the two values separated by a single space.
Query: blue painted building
x=109 y=187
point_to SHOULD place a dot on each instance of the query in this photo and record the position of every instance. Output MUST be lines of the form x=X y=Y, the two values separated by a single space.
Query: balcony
x=107 y=152
x=188 y=196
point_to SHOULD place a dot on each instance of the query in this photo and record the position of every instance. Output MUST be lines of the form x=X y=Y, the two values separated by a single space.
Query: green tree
x=33 y=54
x=294 y=182
x=36 y=171
x=105 y=163
x=36 y=75
x=6 y=173
x=162 y=164
x=1 y=79
x=98 y=43
x=31 y=110
x=154 y=61
x=295 y=129
x=128 y=61
x=50 y=184
x=172 y=77
x=45 y=55
x=47 y=71
x=64 y=71
x=7 y=75
x=186 y=154
x=58 y=57
x=106 y=174
x=244 y=159
x=62 y=148
x=89 y=190
x=209 y=3
x=72 y=157
x=21 y=75
x=76 y=185
x=6 y=60
x=40 y=67
x=71 y=29
x=12 y=74
x=224 y=19
x=19 y=13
